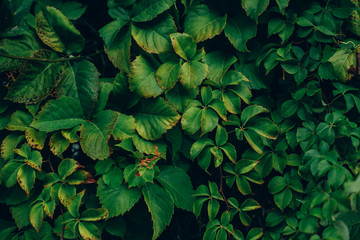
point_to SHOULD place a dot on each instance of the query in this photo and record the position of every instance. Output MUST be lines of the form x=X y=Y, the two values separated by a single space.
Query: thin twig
x=326 y=100
x=61 y=209
x=48 y=60
x=221 y=187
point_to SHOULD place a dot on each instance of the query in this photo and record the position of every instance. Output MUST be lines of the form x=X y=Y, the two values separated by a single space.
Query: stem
x=221 y=187
x=326 y=100
x=61 y=209
x=48 y=60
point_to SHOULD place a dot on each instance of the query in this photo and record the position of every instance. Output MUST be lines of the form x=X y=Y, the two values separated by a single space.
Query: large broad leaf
x=184 y=45
x=254 y=8
x=191 y=120
x=57 y=114
x=24 y=46
x=203 y=23
x=344 y=62
x=160 y=206
x=168 y=74
x=117 y=43
x=143 y=80
x=111 y=30
x=218 y=62
x=81 y=81
x=26 y=178
x=117 y=200
x=9 y=144
x=153 y=36
x=89 y=231
x=96 y=133
x=192 y=74
x=124 y=127
x=178 y=184
x=264 y=127
x=36 y=80
x=239 y=30
x=19 y=121
x=179 y=96
x=56 y=31
x=154 y=117
x=145 y=10
x=250 y=112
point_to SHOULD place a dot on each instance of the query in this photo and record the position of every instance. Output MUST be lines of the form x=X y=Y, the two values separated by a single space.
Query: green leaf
x=276 y=184
x=19 y=121
x=95 y=134
x=160 y=206
x=34 y=160
x=144 y=10
x=213 y=208
x=36 y=80
x=254 y=140
x=72 y=10
x=153 y=36
x=9 y=173
x=308 y=224
x=67 y=167
x=219 y=62
x=119 y=49
x=282 y=4
x=254 y=8
x=274 y=218
x=36 y=139
x=343 y=61
x=221 y=136
x=74 y=204
x=8 y=145
x=250 y=112
x=26 y=178
x=94 y=214
x=124 y=127
x=66 y=191
x=58 y=144
x=36 y=216
x=264 y=127
x=199 y=145
x=254 y=234
x=81 y=81
x=117 y=200
x=250 y=205
x=110 y=31
x=142 y=79
x=154 y=117
x=239 y=29
x=184 y=45
x=89 y=231
x=105 y=90
x=21 y=214
x=230 y=151
x=57 y=114
x=289 y=108
x=209 y=120
x=243 y=185
x=178 y=184
x=179 y=97
x=192 y=74
x=168 y=74
x=57 y=32
x=203 y=23
x=283 y=199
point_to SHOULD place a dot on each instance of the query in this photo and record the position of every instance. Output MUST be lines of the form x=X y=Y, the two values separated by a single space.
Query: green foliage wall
x=188 y=119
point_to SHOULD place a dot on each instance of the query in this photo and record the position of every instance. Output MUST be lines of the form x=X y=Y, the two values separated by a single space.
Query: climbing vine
x=180 y=119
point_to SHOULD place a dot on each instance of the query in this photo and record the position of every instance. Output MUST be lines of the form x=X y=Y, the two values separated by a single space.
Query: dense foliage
x=188 y=119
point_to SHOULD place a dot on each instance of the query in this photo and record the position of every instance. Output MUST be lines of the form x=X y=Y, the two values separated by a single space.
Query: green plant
x=185 y=119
